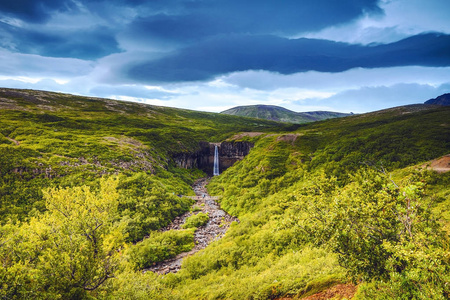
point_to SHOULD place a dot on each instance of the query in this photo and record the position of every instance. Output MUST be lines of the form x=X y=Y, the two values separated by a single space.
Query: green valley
x=87 y=184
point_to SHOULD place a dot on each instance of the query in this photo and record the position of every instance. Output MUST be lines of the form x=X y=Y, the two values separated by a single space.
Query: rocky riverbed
x=217 y=225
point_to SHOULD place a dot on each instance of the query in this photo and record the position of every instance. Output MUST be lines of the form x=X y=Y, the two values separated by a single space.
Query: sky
x=211 y=55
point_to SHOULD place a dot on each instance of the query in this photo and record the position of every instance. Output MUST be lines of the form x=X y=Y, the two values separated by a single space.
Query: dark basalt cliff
x=203 y=158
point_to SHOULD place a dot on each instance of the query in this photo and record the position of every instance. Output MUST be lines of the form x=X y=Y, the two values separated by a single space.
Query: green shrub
x=196 y=208
x=195 y=221
x=147 y=204
x=160 y=246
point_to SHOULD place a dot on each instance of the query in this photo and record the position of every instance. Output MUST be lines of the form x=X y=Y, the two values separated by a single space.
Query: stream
x=217 y=225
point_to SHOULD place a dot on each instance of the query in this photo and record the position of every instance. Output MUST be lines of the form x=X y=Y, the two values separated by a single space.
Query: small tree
x=70 y=249
x=379 y=230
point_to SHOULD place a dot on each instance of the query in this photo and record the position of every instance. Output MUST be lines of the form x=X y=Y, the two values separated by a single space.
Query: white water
x=216 y=161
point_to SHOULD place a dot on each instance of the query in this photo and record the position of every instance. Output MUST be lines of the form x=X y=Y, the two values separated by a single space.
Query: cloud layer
x=288 y=56
x=214 y=54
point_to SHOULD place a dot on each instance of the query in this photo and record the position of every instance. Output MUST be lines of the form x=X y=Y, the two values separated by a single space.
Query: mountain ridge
x=281 y=114
x=443 y=99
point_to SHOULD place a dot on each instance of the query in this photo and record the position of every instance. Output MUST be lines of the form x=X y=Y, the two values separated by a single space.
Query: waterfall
x=216 y=161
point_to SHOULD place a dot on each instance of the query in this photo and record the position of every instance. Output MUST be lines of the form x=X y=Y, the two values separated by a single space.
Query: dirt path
x=218 y=223
x=337 y=292
x=440 y=165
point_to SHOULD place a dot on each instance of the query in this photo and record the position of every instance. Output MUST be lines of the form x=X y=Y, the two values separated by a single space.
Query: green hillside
x=50 y=139
x=327 y=203
x=340 y=201
x=281 y=114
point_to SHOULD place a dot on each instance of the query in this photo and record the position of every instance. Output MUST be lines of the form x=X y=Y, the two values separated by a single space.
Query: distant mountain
x=281 y=114
x=441 y=100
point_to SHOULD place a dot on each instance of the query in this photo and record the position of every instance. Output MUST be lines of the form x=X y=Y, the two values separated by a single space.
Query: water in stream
x=216 y=161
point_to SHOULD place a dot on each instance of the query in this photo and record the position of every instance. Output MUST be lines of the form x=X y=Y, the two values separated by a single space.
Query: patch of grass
x=160 y=246
x=196 y=220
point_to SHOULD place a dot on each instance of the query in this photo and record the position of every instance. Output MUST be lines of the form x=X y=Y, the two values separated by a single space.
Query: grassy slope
x=68 y=140
x=56 y=139
x=264 y=256
x=276 y=113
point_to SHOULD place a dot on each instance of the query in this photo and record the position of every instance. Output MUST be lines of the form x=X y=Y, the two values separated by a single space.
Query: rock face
x=203 y=159
x=231 y=152
x=197 y=159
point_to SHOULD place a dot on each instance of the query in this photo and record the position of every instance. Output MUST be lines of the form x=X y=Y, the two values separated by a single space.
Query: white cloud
x=335 y=82
x=366 y=99
x=356 y=90
x=402 y=18
x=39 y=67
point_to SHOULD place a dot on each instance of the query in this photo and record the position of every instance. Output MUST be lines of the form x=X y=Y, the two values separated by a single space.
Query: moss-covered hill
x=28 y=115
x=59 y=139
x=281 y=114
x=329 y=202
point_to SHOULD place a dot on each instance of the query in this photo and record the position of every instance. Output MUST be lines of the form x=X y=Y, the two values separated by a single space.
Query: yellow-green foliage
x=129 y=284
x=70 y=140
x=358 y=214
x=440 y=193
x=160 y=246
x=380 y=230
x=71 y=249
x=268 y=277
x=316 y=205
x=148 y=202
x=196 y=220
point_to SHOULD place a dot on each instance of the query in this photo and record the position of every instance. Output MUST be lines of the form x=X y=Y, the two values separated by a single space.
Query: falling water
x=216 y=161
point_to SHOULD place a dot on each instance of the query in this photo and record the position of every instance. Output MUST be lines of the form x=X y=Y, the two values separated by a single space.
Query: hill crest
x=440 y=100
x=281 y=114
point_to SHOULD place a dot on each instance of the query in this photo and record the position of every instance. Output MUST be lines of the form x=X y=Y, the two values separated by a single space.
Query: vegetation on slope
x=56 y=147
x=196 y=220
x=281 y=114
x=159 y=247
x=49 y=139
x=295 y=196
x=318 y=204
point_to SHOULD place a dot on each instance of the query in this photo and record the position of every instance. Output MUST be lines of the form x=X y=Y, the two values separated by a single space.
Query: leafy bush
x=147 y=205
x=196 y=220
x=71 y=249
x=195 y=208
x=380 y=231
x=160 y=246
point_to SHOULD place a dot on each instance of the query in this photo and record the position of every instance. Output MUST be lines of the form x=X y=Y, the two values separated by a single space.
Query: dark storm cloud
x=35 y=11
x=215 y=57
x=158 y=24
x=196 y=20
x=88 y=44
x=175 y=29
x=39 y=11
